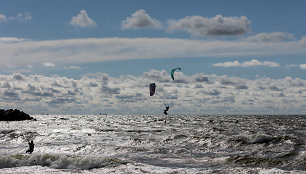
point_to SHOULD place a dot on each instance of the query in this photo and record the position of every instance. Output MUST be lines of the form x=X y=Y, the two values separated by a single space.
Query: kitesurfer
x=31 y=147
x=165 y=111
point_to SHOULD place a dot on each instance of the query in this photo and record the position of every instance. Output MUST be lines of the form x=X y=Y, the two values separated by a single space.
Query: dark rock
x=14 y=115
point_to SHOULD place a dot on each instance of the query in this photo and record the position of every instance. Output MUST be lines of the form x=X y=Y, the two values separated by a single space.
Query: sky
x=99 y=56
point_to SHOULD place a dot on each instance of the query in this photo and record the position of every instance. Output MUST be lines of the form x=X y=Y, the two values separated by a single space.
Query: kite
x=172 y=72
x=152 y=89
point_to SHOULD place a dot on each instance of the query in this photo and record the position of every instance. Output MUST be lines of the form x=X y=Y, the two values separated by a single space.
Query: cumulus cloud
x=48 y=64
x=75 y=51
x=303 y=66
x=216 y=26
x=18 y=77
x=140 y=19
x=9 y=95
x=200 y=93
x=22 y=17
x=3 y=18
x=73 y=67
x=82 y=20
x=200 y=78
x=271 y=37
x=251 y=63
x=160 y=76
x=291 y=66
x=303 y=41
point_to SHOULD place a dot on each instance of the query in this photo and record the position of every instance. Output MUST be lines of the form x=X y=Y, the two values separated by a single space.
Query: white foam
x=279 y=171
x=58 y=161
x=182 y=145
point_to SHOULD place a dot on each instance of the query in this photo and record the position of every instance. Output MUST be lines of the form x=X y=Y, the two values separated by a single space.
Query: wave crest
x=59 y=161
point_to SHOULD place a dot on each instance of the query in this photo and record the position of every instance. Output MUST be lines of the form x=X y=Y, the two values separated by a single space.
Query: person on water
x=31 y=147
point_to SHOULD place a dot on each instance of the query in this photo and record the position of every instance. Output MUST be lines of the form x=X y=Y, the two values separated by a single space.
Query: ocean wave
x=265 y=162
x=13 y=134
x=263 y=139
x=58 y=161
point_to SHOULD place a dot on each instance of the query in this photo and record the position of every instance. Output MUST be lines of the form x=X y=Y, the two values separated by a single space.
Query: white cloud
x=291 y=66
x=3 y=18
x=198 y=93
x=271 y=37
x=228 y=64
x=22 y=17
x=82 y=20
x=10 y=39
x=48 y=64
x=303 y=66
x=74 y=51
x=303 y=41
x=140 y=19
x=73 y=67
x=216 y=26
x=251 y=63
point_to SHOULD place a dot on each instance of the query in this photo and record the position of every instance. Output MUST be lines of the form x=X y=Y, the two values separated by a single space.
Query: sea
x=171 y=144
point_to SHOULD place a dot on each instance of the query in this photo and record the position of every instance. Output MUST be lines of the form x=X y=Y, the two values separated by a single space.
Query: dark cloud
x=42 y=94
x=58 y=101
x=130 y=98
x=214 y=92
x=275 y=88
x=31 y=87
x=18 y=76
x=104 y=78
x=261 y=88
x=70 y=93
x=11 y=95
x=172 y=97
x=93 y=84
x=56 y=84
x=281 y=95
x=201 y=78
x=110 y=90
x=55 y=91
x=230 y=99
x=242 y=87
x=216 y=26
x=227 y=82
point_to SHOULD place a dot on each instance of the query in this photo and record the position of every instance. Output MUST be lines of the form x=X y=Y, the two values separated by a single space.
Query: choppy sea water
x=155 y=144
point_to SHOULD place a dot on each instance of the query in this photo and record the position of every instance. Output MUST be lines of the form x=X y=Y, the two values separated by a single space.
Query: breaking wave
x=58 y=161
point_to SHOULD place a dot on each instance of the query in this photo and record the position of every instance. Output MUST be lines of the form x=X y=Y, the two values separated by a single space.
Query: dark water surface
x=156 y=144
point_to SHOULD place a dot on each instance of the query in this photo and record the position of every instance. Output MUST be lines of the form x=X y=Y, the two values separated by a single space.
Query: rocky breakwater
x=14 y=115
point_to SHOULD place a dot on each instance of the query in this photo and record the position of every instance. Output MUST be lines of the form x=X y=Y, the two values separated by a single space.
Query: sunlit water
x=154 y=144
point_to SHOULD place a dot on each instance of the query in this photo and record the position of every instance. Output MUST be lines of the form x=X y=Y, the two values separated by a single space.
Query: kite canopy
x=172 y=72
x=152 y=89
